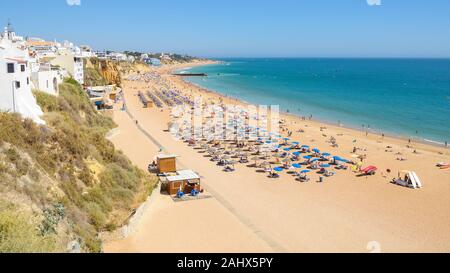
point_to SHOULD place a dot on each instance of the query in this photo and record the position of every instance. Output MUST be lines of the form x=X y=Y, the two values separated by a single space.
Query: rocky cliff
x=101 y=72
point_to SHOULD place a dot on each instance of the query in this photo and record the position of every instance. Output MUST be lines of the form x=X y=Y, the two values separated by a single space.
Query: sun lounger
x=371 y=170
x=229 y=169
x=304 y=179
x=274 y=175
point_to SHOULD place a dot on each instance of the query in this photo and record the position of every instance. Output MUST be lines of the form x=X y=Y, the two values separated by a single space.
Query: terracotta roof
x=40 y=43
x=16 y=60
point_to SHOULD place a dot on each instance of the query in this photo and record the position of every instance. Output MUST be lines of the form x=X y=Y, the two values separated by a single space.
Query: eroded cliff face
x=97 y=70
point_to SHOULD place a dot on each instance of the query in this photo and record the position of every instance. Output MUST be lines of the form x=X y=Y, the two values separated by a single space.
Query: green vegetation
x=93 y=77
x=94 y=187
x=19 y=235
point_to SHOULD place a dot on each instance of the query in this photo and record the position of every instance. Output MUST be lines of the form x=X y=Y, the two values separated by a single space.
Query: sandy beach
x=249 y=212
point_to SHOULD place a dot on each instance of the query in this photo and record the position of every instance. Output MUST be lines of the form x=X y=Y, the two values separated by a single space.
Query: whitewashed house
x=15 y=78
x=72 y=63
x=45 y=77
x=42 y=48
x=86 y=51
x=117 y=56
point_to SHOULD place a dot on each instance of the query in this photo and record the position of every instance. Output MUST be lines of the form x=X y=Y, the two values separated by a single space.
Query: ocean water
x=402 y=97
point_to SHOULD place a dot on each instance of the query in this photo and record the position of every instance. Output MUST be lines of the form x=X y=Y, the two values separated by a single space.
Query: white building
x=46 y=78
x=15 y=78
x=117 y=56
x=72 y=63
x=86 y=51
x=101 y=55
x=42 y=48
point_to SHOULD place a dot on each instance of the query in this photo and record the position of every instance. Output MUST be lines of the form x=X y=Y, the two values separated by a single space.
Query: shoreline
x=250 y=212
x=428 y=144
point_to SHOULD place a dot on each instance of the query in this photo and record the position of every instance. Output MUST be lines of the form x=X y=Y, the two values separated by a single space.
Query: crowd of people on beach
x=243 y=138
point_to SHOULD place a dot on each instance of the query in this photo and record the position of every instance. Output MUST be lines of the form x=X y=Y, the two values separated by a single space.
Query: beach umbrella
x=325 y=165
x=316 y=150
x=326 y=154
x=286 y=139
x=337 y=158
x=297 y=166
x=314 y=160
x=287 y=149
x=296 y=153
x=278 y=169
x=307 y=157
x=296 y=143
x=305 y=171
x=305 y=147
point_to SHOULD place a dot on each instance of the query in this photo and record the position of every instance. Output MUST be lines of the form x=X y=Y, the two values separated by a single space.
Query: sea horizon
x=422 y=85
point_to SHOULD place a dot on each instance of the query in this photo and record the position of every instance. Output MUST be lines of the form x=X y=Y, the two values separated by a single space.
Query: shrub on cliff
x=94 y=199
x=18 y=233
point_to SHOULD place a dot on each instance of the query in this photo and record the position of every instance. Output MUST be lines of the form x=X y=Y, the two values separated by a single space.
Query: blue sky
x=242 y=28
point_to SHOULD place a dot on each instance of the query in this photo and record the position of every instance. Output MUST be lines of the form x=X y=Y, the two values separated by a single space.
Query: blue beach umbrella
x=278 y=169
x=307 y=157
x=286 y=139
x=336 y=158
x=316 y=150
x=325 y=165
x=296 y=143
x=314 y=160
x=296 y=153
x=287 y=149
x=297 y=166
x=305 y=171
x=326 y=154
x=305 y=147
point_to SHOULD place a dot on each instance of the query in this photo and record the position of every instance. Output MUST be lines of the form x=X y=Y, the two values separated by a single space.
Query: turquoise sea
x=402 y=97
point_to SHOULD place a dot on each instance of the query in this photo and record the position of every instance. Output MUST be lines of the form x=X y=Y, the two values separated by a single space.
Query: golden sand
x=252 y=213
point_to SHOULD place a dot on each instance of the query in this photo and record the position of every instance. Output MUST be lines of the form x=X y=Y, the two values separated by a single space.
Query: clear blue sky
x=247 y=28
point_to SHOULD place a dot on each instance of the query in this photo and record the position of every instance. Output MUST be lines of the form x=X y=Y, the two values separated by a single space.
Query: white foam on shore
x=432 y=141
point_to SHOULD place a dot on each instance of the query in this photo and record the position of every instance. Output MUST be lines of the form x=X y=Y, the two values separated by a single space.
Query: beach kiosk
x=185 y=181
x=166 y=163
